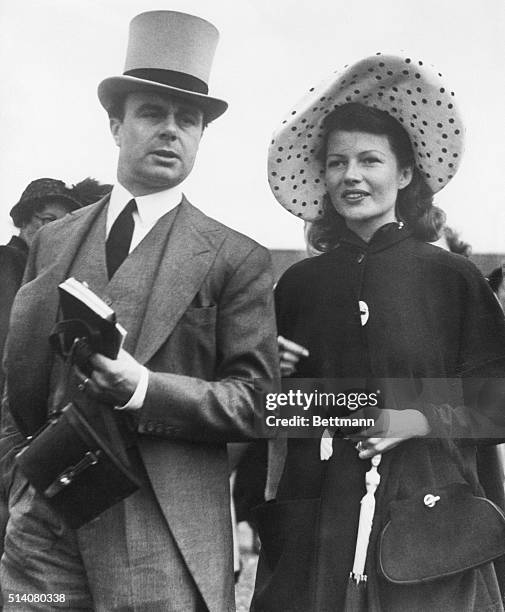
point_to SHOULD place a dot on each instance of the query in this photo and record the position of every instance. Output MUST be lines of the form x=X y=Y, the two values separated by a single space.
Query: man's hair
x=414 y=204
x=117 y=109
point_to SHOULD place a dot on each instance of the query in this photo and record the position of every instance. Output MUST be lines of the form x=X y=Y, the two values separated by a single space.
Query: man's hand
x=289 y=355
x=113 y=381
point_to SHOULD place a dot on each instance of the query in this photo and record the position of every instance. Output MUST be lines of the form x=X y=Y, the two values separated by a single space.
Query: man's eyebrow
x=149 y=106
x=190 y=108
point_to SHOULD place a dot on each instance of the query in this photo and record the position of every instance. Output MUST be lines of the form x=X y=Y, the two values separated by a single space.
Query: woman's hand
x=391 y=428
x=289 y=355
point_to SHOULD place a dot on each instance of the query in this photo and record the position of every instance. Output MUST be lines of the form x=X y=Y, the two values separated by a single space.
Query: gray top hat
x=171 y=52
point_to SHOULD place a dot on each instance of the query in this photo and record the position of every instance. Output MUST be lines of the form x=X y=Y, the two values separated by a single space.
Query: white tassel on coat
x=366 y=514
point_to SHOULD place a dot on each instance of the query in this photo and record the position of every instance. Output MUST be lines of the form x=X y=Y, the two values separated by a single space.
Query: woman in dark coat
x=363 y=155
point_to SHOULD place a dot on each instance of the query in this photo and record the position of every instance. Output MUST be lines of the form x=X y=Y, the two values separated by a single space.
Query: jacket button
x=360 y=258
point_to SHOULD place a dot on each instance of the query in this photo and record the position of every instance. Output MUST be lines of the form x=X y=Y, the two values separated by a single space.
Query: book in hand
x=85 y=315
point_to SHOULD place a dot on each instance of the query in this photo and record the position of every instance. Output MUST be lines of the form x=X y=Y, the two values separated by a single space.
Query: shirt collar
x=150 y=207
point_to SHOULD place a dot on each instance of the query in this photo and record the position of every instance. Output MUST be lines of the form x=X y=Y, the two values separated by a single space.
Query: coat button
x=364 y=312
x=360 y=258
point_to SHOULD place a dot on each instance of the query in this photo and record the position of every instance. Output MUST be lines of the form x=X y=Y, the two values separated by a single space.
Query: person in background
x=43 y=201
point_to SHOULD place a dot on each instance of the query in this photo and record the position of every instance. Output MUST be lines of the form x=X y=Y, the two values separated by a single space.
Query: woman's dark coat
x=431 y=315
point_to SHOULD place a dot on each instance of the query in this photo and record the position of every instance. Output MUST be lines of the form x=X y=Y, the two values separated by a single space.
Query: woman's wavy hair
x=414 y=204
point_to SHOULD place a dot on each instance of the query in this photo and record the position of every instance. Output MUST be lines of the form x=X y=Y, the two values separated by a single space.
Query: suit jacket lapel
x=189 y=254
x=54 y=275
x=68 y=246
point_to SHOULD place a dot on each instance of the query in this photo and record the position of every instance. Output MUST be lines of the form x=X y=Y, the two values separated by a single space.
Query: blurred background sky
x=53 y=54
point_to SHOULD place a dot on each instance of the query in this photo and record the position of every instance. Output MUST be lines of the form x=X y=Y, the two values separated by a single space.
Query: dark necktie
x=120 y=237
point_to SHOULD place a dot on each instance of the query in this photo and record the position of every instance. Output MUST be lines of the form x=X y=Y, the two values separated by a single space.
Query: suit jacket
x=207 y=332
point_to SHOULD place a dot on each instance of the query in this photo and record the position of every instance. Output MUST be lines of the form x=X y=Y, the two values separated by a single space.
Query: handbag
x=77 y=471
x=439 y=533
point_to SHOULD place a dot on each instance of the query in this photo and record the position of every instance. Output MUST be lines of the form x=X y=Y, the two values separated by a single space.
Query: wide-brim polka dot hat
x=407 y=89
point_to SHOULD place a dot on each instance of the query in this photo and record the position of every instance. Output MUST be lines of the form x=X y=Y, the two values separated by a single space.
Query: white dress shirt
x=150 y=208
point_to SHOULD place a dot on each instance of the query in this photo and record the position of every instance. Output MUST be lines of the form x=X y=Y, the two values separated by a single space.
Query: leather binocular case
x=76 y=471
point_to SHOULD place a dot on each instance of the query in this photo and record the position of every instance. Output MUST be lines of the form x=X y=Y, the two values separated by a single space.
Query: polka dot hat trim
x=407 y=89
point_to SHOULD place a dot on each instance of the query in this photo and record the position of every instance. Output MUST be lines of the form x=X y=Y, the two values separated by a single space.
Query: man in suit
x=195 y=297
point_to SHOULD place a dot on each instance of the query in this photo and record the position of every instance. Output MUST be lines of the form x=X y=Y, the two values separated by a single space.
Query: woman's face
x=363 y=179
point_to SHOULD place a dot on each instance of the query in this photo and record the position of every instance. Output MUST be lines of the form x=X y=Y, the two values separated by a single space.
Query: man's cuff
x=136 y=401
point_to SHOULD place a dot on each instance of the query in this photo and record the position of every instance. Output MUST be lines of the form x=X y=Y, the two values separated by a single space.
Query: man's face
x=158 y=139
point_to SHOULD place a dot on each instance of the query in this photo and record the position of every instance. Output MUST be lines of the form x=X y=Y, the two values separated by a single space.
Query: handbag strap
x=79 y=354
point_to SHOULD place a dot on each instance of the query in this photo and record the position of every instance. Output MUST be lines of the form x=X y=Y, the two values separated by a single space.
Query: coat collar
x=385 y=237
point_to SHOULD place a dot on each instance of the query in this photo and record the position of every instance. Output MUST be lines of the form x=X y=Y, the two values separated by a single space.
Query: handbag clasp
x=430 y=500
x=68 y=475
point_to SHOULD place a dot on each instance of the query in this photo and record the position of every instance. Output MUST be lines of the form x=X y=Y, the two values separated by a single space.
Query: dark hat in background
x=40 y=191
x=89 y=190
x=167 y=52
